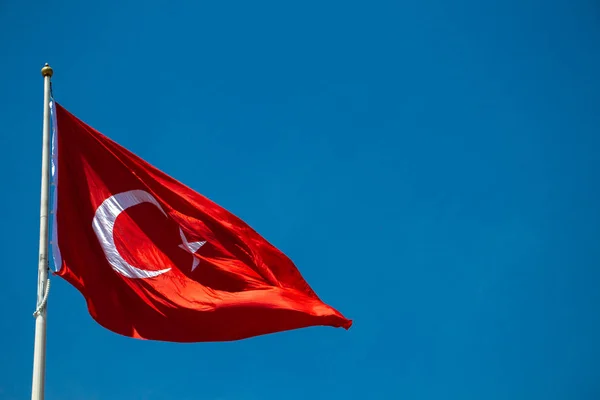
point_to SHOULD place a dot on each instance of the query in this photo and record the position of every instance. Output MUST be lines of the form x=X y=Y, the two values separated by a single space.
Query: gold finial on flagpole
x=47 y=70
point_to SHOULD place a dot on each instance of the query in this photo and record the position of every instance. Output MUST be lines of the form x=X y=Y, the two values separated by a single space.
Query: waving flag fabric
x=156 y=260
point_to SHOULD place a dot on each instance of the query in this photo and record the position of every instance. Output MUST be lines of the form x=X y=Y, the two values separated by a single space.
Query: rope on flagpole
x=42 y=304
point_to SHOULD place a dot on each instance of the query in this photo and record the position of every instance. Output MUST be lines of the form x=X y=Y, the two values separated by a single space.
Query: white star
x=191 y=247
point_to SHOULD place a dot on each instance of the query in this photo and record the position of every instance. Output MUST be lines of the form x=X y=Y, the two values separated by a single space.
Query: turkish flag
x=156 y=260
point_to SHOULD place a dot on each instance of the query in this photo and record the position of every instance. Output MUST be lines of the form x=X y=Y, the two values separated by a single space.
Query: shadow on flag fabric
x=156 y=260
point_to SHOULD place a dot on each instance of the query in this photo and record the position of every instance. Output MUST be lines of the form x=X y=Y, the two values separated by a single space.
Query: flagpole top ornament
x=47 y=71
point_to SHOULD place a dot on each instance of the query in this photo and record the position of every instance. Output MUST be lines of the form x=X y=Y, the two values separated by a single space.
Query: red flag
x=156 y=260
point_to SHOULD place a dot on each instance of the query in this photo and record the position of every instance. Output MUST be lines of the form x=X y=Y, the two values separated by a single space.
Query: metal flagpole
x=39 y=351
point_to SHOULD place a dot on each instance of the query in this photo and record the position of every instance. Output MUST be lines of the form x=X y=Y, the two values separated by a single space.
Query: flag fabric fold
x=156 y=260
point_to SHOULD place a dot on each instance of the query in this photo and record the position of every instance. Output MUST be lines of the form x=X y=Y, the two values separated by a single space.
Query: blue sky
x=431 y=167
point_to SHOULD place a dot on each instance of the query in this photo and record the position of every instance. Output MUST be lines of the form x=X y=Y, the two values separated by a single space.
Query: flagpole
x=39 y=351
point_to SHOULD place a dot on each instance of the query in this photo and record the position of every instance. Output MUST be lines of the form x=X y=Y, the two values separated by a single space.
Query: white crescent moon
x=104 y=223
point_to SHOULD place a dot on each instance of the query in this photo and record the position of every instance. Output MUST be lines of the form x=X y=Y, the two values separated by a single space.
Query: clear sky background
x=432 y=167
